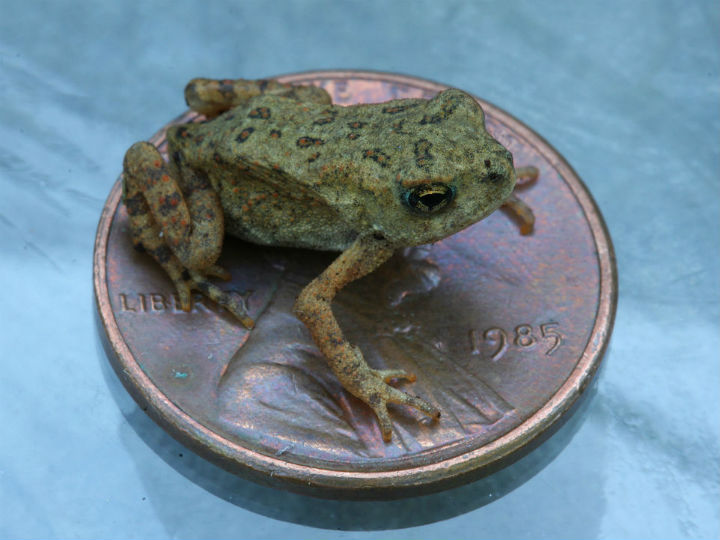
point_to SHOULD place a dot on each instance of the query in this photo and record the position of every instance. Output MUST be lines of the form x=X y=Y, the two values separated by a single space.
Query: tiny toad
x=280 y=165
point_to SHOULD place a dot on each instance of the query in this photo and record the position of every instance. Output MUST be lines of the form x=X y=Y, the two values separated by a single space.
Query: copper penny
x=503 y=331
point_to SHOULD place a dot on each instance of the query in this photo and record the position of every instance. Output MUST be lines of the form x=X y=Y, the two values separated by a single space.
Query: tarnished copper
x=503 y=331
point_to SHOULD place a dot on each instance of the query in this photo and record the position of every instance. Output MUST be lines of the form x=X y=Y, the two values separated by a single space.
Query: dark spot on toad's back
x=379 y=157
x=446 y=110
x=328 y=116
x=449 y=107
x=307 y=142
x=244 y=134
x=395 y=109
x=423 y=157
x=260 y=112
x=431 y=119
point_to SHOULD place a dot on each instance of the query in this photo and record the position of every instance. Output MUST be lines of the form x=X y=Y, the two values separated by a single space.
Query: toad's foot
x=389 y=375
x=188 y=280
x=526 y=176
x=371 y=386
x=515 y=208
x=520 y=213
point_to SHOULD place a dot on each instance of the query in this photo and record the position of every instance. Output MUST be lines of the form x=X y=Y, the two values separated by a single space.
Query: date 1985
x=523 y=337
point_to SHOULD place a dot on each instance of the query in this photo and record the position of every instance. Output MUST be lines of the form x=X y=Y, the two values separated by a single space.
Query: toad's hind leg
x=347 y=362
x=212 y=97
x=181 y=229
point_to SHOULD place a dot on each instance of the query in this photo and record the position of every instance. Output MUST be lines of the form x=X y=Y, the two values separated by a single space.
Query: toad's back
x=305 y=174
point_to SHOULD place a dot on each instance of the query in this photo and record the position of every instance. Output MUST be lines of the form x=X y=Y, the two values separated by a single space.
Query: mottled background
x=627 y=91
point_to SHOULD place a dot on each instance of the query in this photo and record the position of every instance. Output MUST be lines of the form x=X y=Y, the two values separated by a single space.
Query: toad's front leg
x=518 y=211
x=347 y=362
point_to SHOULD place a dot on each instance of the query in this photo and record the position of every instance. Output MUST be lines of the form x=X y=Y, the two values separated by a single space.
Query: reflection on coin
x=503 y=331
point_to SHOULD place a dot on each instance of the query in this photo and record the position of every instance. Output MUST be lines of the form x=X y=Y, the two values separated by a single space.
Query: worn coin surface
x=503 y=331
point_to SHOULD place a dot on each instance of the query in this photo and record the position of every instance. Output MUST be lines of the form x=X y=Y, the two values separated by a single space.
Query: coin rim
x=352 y=483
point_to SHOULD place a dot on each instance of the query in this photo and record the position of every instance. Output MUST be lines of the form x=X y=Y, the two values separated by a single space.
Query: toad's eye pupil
x=429 y=198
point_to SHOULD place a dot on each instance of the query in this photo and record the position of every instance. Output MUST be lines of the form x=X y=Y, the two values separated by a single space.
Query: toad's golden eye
x=428 y=198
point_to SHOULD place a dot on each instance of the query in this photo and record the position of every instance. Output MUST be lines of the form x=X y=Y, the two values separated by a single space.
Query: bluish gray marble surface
x=629 y=92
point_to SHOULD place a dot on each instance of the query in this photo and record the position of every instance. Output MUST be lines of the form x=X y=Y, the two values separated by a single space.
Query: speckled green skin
x=316 y=175
x=279 y=165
